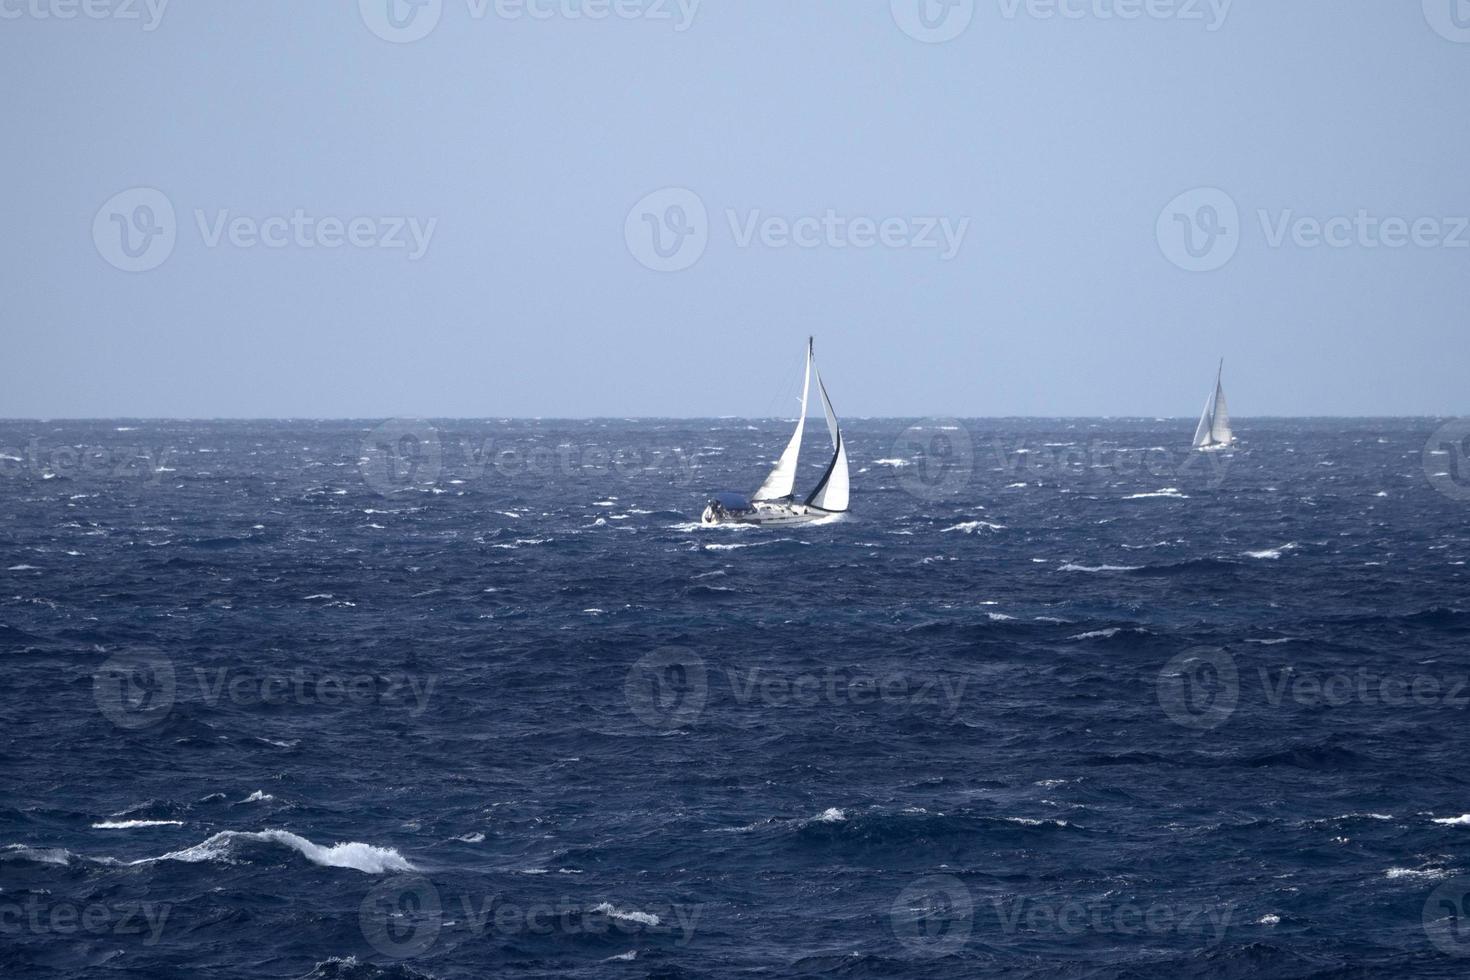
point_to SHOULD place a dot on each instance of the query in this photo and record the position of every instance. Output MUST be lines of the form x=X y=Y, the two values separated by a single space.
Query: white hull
x=766 y=515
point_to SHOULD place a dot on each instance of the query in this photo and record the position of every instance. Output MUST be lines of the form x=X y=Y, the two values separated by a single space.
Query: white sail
x=1214 y=425
x=832 y=492
x=1206 y=424
x=1220 y=424
x=782 y=479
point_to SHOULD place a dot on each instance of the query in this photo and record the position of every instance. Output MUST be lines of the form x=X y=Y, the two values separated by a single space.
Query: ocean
x=452 y=699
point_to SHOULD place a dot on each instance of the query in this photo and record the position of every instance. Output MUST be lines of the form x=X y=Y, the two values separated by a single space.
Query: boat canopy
x=732 y=501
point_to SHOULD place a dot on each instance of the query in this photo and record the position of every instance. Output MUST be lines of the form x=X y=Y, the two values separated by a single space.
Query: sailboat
x=775 y=503
x=1213 y=431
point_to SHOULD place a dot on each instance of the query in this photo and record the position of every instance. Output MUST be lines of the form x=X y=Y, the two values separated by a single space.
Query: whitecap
x=131 y=824
x=367 y=858
x=40 y=855
x=1094 y=569
x=1428 y=874
x=613 y=912
x=970 y=527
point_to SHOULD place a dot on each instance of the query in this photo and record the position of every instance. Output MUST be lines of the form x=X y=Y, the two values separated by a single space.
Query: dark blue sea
x=480 y=698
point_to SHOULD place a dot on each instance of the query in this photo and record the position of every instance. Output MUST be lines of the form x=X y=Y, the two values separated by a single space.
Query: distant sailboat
x=1213 y=431
x=775 y=502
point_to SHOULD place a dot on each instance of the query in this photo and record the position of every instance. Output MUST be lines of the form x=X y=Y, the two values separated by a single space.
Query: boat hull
x=764 y=514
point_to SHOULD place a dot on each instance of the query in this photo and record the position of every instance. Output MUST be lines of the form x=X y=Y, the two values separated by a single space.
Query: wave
x=367 y=858
x=131 y=824
x=970 y=527
x=1110 y=632
x=36 y=855
x=1423 y=874
x=613 y=912
x=1461 y=821
x=1271 y=554
x=1095 y=569
x=351 y=968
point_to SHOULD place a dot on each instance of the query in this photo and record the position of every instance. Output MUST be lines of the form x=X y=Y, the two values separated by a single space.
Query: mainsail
x=1214 y=424
x=782 y=479
x=832 y=490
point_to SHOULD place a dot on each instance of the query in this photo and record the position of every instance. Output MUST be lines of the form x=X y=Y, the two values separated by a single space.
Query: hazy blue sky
x=1049 y=147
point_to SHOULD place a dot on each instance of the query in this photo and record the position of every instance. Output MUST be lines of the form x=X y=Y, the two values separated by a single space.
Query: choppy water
x=1057 y=699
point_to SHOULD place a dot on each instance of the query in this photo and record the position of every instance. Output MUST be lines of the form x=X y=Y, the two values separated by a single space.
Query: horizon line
x=694 y=418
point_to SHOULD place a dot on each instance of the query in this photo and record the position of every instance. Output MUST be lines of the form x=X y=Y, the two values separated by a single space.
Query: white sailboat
x=775 y=502
x=1213 y=431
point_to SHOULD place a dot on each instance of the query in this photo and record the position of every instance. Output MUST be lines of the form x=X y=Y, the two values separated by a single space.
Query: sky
x=487 y=208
